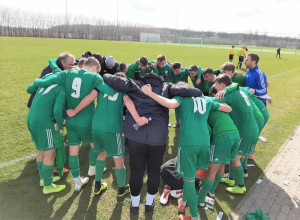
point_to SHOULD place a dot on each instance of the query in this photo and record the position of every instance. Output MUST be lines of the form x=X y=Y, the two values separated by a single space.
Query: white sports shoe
x=209 y=200
x=262 y=139
x=80 y=182
x=92 y=170
x=176 y=193
x=165 y=195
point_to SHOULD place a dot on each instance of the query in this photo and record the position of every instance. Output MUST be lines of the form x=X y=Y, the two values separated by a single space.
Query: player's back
x=41 y=111
x=242 y=113
x=79 y=84
x=193 y=115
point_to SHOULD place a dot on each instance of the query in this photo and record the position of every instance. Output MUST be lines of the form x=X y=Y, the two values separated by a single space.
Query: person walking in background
x=278 y=53
x=231 y=54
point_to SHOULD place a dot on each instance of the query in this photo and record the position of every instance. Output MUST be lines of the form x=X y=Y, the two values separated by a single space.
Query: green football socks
x=100 y=164
x=206 y=185
x=48 y=174
x=74 y=166
x=216 y=183
x=40 y=168
x=121 y=176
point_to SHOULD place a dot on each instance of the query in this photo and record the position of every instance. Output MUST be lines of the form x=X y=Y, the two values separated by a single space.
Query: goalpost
x=248 y=43
x=126 y=38
x=190 y=40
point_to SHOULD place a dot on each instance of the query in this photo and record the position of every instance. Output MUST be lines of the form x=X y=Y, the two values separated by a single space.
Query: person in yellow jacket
x=241 y=54
x=231 y=54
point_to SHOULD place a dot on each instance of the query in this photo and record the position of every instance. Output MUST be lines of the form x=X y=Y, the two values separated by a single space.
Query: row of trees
x=18 y=23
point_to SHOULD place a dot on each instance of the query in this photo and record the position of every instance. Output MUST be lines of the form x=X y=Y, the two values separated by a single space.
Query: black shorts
x=241 y=59
x=230 y=56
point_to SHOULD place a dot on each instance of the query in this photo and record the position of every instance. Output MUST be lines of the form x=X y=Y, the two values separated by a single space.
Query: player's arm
x=103 y=87
x=54 y=67
x=84 y=103
x=224 y=108
x=59 y=109
x=261 y=83
x=131 y=108
x=50 y=79
x=32 y=88
x=168 y=103
x=198 y=80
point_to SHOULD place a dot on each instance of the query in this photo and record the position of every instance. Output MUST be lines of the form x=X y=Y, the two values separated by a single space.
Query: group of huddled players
x=220 y=121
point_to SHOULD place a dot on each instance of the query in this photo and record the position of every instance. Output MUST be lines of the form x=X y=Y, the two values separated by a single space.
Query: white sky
x=263 y=16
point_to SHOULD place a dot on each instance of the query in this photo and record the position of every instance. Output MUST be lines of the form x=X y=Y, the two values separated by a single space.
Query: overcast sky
x=263 y=16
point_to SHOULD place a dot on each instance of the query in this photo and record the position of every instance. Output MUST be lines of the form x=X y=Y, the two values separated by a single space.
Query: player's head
x=213 y=91
x=193 y=71
x=110 y=62
x=233 y=46
x=65 y=60
x=222 y=81
x=176 y=68
x=208 y=75
x=123 y=67
x=251 y=60
x=161 y=60
x=228 y=68
x=143 y=63
x=92 y=64
x=98 y=57
x=80 y=63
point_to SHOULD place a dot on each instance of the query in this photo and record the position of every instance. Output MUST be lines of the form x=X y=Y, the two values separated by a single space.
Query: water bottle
x=220 y=215
x=136 y=126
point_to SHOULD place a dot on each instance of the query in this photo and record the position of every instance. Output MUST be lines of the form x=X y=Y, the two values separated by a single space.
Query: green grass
x=22 y=59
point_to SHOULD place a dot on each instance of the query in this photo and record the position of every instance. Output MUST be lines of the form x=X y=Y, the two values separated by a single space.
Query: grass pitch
x=22 y=60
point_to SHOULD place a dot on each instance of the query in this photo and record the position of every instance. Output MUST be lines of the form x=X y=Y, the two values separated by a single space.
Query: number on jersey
x=76 y=86
x=199 y=105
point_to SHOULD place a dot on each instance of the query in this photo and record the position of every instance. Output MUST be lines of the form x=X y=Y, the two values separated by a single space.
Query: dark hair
x=143 y=61
x=233 y=46
x=98 y=57
x=254 y=57
x=176 y=65
x=213 y=90
x=224 y=78
x=193 y=68
x=161 y=58
x=208 y=71
x=228 y=66
x=87 y=54
x=122 y=66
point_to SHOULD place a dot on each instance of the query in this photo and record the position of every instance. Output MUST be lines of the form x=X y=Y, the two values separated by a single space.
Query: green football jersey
x=166 y=73
x=181 y=76
x=131 y=69
x=77 y=85
x=257 y=113
x=221 y=123
x=47 y=106
x=204 y=86
x=108 y=115
x=242 y=113
x=240 y=80
x=193 y=115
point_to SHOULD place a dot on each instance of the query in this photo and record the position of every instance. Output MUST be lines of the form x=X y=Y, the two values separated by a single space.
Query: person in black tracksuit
x=147 y=144
x=109 y=65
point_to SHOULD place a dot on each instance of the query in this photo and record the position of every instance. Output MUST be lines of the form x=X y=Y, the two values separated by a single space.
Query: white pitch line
x=12 y=162
x=284 y=73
